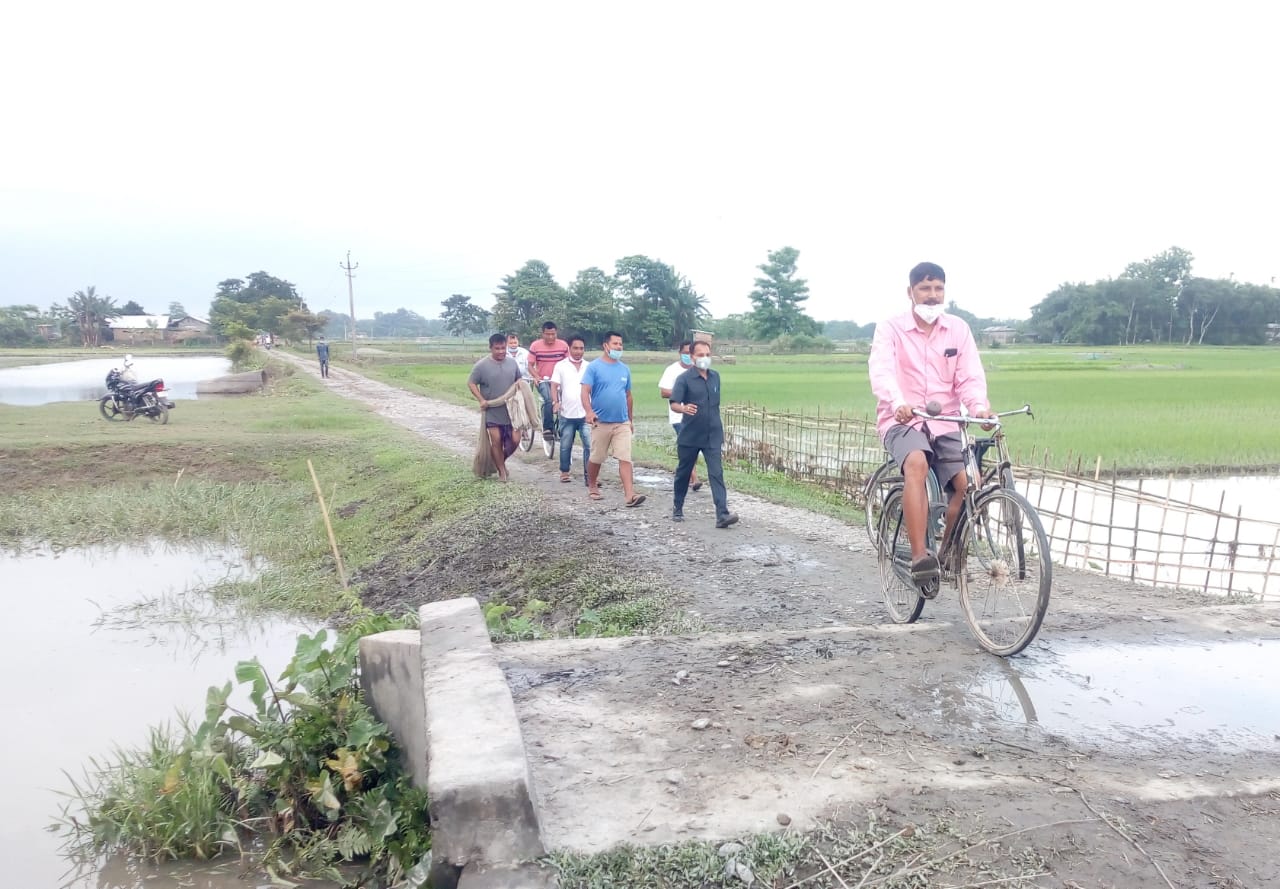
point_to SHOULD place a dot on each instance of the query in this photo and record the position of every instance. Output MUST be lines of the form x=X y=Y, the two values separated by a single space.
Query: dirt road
x=1134 y=744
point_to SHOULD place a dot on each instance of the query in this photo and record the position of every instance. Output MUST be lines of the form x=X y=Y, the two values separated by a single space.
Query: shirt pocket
x=944 y=366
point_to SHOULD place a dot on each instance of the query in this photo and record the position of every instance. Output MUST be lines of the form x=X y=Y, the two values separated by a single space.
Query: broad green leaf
x=266 y=759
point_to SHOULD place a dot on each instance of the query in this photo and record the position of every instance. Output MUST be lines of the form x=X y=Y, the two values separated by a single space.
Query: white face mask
x=930 y=314
x=702 y=363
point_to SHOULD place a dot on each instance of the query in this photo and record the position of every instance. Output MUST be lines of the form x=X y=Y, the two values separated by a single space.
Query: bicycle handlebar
x=994 y=422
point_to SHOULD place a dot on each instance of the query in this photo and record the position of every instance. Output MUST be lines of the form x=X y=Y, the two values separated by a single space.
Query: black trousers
x=715 y=473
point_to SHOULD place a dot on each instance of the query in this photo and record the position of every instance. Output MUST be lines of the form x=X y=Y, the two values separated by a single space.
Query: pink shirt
x=913 y=367
x=547 y=357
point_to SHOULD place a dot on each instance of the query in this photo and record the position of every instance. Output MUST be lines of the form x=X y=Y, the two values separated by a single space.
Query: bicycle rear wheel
x=901 y=596
x=1005 y=572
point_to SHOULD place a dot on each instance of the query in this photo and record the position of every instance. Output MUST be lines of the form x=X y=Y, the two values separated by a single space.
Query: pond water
x=1132 y=695
x=85 y=380
x=104 y=643
x=1217 y=535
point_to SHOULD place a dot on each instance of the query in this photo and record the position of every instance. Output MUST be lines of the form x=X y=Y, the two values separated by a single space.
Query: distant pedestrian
x=664 y=389
x=566 y=400
x=322 y=352
x=695 y=395
x=606 y=397
x=492 y=379
x=544 y=355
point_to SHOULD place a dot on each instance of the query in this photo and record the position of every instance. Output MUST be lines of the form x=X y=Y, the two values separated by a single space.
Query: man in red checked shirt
x=920 y=356
x=544 y=355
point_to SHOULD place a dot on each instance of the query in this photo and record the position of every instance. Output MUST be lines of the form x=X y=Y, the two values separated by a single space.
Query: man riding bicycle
x=918 y=357
x=544 y=355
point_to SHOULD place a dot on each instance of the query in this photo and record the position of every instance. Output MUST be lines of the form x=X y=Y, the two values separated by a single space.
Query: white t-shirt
x=667 y=382
x=522 y=359
x=569 y=379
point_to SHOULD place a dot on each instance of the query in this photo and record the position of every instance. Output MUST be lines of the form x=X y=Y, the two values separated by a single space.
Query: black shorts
x=944 y=454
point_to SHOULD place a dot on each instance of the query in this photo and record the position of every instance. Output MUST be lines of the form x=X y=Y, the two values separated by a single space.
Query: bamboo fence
x=1131 y=529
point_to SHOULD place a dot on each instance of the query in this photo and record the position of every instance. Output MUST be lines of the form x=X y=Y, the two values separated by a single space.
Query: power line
x=351 y=297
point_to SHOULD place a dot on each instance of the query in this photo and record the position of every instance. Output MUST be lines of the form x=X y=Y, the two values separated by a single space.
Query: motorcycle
x=125 y=400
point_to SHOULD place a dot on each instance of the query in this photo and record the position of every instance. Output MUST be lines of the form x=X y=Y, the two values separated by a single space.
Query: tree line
x=648 y=300
x=1157 y=300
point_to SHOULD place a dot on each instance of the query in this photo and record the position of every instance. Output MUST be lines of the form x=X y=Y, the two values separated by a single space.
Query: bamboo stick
x=1111 y=519
x=1235 y=552
x=1133 y=553
x=324 y=511
x=1271 y=561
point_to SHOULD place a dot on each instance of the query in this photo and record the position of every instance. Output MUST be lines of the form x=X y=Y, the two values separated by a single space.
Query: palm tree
x=90 y=311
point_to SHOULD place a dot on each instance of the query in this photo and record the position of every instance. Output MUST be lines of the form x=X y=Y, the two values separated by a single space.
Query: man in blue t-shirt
x=606 y=395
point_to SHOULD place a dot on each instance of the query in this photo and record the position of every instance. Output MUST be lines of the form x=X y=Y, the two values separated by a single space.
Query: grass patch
x=832 y=855
x=412 y=523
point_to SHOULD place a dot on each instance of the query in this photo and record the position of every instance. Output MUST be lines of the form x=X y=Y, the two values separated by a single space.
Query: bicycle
x=997 y=556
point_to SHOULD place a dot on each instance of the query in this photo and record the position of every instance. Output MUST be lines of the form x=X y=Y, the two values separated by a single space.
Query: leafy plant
x=308 y=770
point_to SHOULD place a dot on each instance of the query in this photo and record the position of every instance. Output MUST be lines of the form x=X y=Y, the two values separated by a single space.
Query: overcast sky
x=154 y=149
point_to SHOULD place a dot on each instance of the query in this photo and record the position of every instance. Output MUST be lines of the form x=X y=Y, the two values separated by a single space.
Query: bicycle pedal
x=929 y=588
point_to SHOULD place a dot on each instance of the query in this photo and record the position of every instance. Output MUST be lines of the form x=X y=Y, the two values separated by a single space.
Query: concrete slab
x=391 y=677
x=482 y=806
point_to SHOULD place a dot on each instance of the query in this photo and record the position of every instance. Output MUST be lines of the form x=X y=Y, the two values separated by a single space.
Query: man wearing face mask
x=521 y=357
x=695 y=396
x=920 y=356
x=668 y=380
x=606 y=399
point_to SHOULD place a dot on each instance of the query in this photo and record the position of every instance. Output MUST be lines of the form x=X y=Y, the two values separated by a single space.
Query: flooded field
x=36 y=384
x=1217 y=535
x=102 y=644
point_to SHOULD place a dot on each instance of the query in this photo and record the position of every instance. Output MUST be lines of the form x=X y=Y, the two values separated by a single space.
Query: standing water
x=86 y=380
x=103 y=644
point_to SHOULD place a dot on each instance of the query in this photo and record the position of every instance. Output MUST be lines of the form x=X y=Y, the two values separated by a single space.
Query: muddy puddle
x=1197 y=696
x=102 y=644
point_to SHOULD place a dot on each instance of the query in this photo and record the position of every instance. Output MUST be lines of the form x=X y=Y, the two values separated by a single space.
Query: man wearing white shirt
x=566 y=400
x=521 y=356
x=668 y=380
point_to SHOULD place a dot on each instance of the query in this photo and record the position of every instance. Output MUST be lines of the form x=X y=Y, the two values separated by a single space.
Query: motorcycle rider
x=128 y=375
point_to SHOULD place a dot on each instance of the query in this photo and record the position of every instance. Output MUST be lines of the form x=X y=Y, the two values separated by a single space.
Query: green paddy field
x=1143 y=408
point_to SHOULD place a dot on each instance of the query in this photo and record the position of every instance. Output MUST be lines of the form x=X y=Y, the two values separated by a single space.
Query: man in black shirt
x=696 y=395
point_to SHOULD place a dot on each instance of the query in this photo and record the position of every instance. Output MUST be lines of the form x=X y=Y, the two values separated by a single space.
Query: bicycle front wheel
x=1005 y=572
x=902 y=597
x=526 y=438
x=874 y=494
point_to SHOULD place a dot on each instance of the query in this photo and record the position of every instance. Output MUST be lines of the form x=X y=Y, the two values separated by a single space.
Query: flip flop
x=595 y=495
x=697 y=486
x=925 y=568
x=635 y=501
x=565 y=478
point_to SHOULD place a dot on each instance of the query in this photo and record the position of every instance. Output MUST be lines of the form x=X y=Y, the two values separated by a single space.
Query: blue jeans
x=567 y=429
x=548 y=418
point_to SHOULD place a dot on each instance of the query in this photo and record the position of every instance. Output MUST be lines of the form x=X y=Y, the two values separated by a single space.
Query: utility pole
x=351 y=297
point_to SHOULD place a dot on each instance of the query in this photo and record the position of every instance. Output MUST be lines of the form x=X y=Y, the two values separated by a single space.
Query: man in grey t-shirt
x=491 y=378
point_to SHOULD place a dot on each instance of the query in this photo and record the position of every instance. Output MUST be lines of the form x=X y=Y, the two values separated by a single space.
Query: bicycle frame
x=978 y=480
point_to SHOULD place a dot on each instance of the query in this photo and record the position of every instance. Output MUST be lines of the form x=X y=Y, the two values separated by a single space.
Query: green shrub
x=241 y=353
x=309 y=771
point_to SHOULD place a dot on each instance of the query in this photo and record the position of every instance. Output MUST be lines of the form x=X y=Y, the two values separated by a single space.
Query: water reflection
x=84 y=380
x=104 y=643
x=1131 y=694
